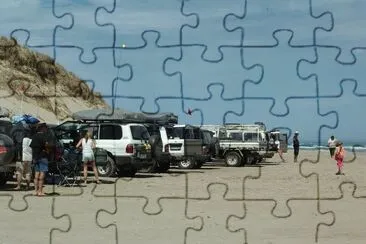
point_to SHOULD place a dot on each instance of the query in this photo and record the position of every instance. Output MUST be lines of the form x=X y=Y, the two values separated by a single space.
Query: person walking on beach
x=40 y=155
x=296 y=145
x=88 y=144
x=339 y=157
x=279 y=150
x=332 y=146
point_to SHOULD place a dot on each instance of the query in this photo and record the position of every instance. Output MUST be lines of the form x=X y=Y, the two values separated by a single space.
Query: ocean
x=349 y=146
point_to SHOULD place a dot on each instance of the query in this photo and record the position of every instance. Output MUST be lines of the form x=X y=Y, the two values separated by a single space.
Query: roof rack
x=137 y=121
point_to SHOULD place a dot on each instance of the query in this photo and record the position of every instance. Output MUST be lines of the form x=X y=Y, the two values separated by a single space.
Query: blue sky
x=297 y=65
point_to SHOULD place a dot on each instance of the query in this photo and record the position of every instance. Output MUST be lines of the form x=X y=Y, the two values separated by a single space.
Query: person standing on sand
x=40 y=154
x=339 y=157
x=88 y=144
x=296 y=145
x=332 y=146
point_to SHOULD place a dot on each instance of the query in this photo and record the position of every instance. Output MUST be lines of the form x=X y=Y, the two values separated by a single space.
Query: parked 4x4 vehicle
x=126 y=143
x=186 y=146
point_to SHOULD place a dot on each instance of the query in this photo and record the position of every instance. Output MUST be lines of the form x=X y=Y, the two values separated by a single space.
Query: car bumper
x=133 y=162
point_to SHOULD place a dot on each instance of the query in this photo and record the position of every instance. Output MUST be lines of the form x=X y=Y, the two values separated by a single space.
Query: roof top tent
x=246 y=127
x=122 y=116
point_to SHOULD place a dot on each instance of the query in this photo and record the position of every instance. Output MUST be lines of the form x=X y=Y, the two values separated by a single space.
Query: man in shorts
x=296 y=145
x=40 y=158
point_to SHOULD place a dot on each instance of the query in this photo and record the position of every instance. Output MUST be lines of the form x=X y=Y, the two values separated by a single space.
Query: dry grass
x=46 y=83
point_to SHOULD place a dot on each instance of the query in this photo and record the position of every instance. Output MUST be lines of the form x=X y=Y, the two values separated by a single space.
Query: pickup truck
x=244 y=144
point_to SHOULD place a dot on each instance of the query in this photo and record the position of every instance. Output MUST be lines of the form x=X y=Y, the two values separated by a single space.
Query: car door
x=109 y=137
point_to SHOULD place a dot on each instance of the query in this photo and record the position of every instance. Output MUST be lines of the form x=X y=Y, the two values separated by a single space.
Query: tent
x=119 y=114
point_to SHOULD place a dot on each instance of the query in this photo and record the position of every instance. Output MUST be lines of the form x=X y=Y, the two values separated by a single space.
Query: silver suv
x=126 y=143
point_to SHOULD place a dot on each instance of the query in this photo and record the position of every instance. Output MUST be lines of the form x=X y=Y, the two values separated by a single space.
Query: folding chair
x=69 y=167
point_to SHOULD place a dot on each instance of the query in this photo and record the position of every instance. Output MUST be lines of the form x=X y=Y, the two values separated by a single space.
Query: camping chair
x=69 y=167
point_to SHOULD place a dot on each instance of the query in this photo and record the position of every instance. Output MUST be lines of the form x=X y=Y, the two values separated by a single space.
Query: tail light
x=3 y=149
x=204 y=150
x=129 y=148
x=166 y=148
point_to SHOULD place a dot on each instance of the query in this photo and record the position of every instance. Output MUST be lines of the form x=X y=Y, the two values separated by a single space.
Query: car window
x=110 y=132
x=175 y=132
x=139 y=132
x=236 y=136
x=250 y=136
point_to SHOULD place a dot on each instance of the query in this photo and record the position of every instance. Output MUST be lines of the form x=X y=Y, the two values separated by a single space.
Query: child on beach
x=339 y=157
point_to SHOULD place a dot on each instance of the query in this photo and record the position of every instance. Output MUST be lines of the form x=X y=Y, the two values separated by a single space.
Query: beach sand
x=284 y=203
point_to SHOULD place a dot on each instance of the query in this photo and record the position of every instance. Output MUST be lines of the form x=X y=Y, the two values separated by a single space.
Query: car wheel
x=198 y=164
x=108 y=169
x=233 y=159
x=189 y=163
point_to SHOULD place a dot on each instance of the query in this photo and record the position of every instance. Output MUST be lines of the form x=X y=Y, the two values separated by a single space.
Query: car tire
x=233 y=159
x=198 y=164
x=188 y=163
x=108 y=170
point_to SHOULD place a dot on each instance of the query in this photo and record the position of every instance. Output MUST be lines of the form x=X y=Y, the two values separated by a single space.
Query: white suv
x=126 y=143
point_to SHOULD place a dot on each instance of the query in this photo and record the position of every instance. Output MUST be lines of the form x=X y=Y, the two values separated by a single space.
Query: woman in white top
x=88 y=144
x=24 y=167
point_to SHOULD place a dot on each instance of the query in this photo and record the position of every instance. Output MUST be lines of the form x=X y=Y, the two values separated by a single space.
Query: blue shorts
x=41 y=165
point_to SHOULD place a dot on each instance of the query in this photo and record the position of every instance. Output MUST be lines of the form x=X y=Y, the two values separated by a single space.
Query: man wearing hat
x=296 y=145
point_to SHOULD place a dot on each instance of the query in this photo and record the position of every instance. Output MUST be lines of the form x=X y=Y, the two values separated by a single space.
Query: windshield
x=139 y=132
x=175 y=132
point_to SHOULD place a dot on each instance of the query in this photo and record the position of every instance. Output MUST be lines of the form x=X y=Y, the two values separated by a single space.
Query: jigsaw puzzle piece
x=301 y=226
x=231 y=71
x=349 y=118
x=85 y=34
x=215 y=212
x=348 y=121
x=129 y=19
x=134 y=226
x=347 y=32
x=215 y=100
x=262 y=187
x=39 y=216
x=210 y=31
x=101 y=74
x=234 y=180
x=280 y=79
x=258 y=110
x=328 y=82
x=158 y=186
x=261 y=18
x=36 y=19
x=350 y=217
x=84 y=228
x=148 y=81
